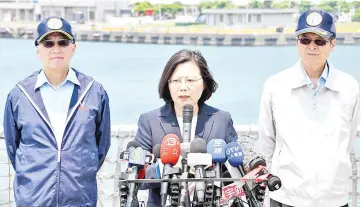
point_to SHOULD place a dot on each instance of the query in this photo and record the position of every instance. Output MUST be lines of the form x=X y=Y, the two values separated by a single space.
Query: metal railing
x=121 y=135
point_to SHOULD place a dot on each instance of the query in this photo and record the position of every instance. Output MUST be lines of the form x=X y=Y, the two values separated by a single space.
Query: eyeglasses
x=188 y=81
x=318 y=42
x=51 y=43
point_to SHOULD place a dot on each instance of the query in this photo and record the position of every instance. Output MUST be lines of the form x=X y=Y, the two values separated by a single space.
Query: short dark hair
x=184 y=56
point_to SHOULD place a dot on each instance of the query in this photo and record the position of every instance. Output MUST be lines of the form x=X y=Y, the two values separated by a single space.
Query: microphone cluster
x=194 y=173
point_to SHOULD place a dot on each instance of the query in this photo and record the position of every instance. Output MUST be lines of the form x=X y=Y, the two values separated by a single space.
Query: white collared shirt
x=56 y=101
x=307 y=140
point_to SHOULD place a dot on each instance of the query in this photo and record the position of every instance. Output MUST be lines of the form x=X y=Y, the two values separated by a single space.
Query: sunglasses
x=51 y=43
x=318 y=42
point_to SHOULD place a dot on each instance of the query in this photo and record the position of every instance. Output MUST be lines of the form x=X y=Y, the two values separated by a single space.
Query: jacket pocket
x=89 y=162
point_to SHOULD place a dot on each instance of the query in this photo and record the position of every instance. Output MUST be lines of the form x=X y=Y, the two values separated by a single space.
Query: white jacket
x=307 y=140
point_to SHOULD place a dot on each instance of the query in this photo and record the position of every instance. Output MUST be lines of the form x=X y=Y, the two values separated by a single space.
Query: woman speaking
x=186 y=79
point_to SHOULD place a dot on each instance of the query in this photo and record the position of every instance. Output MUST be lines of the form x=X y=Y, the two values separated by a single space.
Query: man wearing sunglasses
x=308 y=121
x=57 y=126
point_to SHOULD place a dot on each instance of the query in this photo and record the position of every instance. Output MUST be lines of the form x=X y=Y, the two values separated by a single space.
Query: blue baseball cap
x=316 y=21
x=51 y=25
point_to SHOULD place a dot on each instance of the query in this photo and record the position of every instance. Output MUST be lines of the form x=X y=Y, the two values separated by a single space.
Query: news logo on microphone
x=234 y=153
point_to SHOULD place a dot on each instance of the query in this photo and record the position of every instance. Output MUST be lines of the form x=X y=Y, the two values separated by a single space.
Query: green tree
x=356 y=4
x=221 y=4
x=329 y=6
x=284 y=4
x=356 y=16
x=206 y=5
x=304 y=6
x=256 y=4
x=142 y=6
x=280 y=5
x=225 y=4
x=172 y=8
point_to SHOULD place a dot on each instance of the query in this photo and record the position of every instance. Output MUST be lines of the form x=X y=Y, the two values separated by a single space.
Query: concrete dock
x=181 y=36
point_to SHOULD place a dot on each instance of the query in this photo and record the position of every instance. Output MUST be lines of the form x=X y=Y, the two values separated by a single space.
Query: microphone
x=124 y=189
x=156 y=151
x=199 y=159
x=169 y=155
x=137 y=157
x=217 y=148
x=187 y=122
x=235 y=157
x=159 y=168
x=274 y=182
x=125 y=154
x=185 y=148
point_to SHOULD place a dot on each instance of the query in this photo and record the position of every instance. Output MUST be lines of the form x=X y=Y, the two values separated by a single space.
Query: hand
x=260 y=191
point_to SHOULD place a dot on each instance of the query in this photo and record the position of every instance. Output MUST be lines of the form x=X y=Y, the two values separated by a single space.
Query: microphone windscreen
x=156 y=151
x=133 y=143
x=198 y=145
x=257 y=162
x=217 y=148
x=170 y=149
x=234 y=154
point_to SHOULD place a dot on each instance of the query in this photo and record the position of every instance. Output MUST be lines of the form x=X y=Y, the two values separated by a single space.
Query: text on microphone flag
x=170 y=141
x=217 y=151
x=231 y=191
x=235 y=149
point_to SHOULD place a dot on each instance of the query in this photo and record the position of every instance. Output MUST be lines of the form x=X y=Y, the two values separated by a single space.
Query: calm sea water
x=130 y=74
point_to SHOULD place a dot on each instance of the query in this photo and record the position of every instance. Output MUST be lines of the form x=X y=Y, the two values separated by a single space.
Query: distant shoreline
x=146 y=34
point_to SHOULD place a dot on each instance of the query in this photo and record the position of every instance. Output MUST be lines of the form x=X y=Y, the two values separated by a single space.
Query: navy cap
x=316 y=21
x=53 y=24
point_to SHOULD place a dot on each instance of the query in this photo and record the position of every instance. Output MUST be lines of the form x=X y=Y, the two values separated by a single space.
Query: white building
x=72 y=10
x=248 y=17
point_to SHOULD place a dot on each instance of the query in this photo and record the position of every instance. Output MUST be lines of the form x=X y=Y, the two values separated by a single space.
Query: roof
x=249 y=11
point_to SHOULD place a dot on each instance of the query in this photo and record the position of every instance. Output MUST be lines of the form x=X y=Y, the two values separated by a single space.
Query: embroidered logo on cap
x=314 y=19
x=54 y=23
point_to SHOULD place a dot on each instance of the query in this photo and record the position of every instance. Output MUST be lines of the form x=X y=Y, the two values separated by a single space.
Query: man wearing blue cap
x=57 y=126
x=308 y=121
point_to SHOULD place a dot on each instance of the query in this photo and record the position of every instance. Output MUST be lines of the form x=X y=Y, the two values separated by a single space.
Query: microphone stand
x=184 y=194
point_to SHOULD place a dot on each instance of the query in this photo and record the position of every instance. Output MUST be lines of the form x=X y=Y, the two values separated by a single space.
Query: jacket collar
x=299 y=80
x=170 y=123
x=29 y=85
x=42 y=79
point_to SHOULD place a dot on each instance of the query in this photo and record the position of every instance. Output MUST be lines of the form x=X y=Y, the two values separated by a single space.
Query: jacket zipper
x=51 y=128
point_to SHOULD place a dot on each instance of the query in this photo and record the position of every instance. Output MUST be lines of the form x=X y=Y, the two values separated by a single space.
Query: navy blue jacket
x=212 y=123
x=41 y=180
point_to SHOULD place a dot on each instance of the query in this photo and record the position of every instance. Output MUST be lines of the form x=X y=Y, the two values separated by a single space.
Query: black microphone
x=274 y=182
x=123 y=188
x=187 y=122
x=125 y=154
x=156 y=151
x=199 y=159
x=137 y=157
x=185 y=148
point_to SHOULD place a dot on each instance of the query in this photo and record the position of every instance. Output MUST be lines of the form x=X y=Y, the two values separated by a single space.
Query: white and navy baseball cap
x=316 y=21
x=51 y=25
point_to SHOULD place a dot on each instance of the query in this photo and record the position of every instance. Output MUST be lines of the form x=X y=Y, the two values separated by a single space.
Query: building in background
x=78 y=11
x=257 y=18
